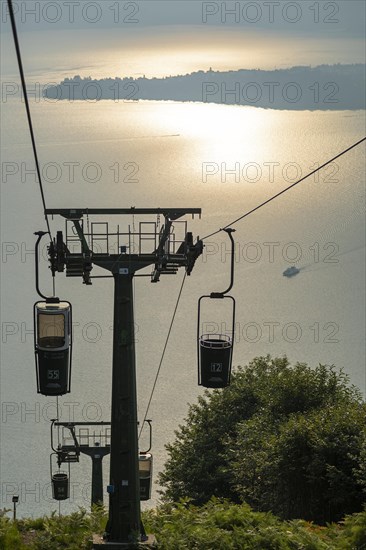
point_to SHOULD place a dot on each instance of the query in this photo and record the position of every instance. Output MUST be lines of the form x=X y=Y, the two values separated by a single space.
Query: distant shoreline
x=326 y=87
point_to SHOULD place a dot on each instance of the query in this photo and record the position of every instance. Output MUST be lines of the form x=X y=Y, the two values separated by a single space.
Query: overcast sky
x=156 y=38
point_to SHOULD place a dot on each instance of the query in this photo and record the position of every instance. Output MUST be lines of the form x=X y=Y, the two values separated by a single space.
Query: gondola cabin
x=145 y=475
x=215 y=351
x=53 y=342
x=60 y=480
x=215 y=360
x=60 y=486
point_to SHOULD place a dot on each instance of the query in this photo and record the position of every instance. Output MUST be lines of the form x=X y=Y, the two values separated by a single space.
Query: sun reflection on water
x=224 y=132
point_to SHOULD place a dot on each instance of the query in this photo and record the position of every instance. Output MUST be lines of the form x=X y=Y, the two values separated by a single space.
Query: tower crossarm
x=78 y=213
x=165 y=259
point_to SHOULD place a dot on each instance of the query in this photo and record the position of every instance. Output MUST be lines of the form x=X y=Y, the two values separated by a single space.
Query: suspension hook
x=40 y=234
x=229 y=231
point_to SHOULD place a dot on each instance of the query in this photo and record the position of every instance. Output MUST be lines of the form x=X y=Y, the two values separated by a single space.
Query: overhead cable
x=163 y=354
x=30 y=124
x=285 y=190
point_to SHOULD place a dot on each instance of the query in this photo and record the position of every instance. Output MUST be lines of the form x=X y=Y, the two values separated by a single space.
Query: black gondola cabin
x=60 y=481
x=215 y=351
x=60 y=486
x=53 y=347
x=145 y=475
x=215 y=360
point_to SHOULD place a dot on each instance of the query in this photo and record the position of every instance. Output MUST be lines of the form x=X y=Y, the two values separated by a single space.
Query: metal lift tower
x=95 y=444
x=124 y=528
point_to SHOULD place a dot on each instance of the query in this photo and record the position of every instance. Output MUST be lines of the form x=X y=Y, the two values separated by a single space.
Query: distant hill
x=326 y=87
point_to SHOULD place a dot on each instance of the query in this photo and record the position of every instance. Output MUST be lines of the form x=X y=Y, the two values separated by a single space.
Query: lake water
x=156 y=154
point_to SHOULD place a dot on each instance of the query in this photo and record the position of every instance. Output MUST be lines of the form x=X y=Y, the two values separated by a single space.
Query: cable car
x=60 y=486
x=145 y=475
x=215 y=351
x=53 y=343
x=60 y=481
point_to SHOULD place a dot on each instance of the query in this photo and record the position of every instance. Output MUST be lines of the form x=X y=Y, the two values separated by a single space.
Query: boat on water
x=291 y=271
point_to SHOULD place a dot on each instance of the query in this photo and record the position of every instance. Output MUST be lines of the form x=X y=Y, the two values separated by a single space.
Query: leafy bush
x=221 y=525
x=286 y=439
x=349 y=534
x=218 y=525
x=73 y=532
x=10 y=538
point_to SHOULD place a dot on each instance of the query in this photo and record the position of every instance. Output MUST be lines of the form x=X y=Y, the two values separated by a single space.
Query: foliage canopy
x=287 y=439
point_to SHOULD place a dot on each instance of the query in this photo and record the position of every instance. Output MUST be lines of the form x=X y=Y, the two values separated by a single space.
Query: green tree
x=304 y=467
x=284 y=438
